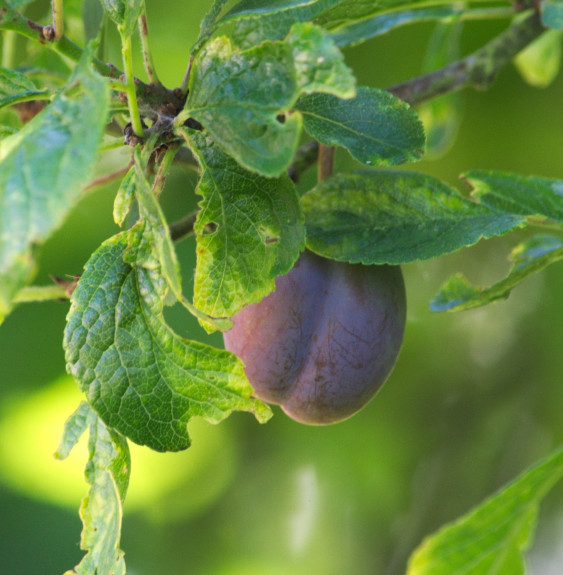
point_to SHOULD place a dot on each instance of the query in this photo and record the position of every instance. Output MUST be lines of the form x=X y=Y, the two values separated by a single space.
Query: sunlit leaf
x=249 y=230
x=395 y=217
x=244 y=98
x=375 y=127
x=40 y=182
x=491 y=539
x=107 y=472
x=530 y=257
x=141 y=378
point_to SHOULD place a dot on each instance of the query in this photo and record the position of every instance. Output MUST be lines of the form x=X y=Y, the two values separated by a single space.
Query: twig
x=134 y=115
x=106 y=179
x=147 y=53
x=184 y=227
x=326 y=162
x=477 y=70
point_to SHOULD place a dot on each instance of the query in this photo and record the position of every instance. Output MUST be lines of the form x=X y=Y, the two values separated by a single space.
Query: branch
x=477 y=70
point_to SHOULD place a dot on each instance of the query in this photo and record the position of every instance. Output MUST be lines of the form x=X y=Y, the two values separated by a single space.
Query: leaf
x=124 y=13
x=491 y=539
x=442 y=115
x=243 y=98
x=395 y=217
x=142 y=379
x=151 y=247
x=526 y=196
x=364 y=29
x=530 y=257
x=552 y=14
x=208 y=23
x=17 y=87
x=375 y=127
x=319 y=64
x=125 y=197
x=107 y=472
x=238 y=98
x=40 y=183
x=255 y=22
x=540 y=61
x=249 y=230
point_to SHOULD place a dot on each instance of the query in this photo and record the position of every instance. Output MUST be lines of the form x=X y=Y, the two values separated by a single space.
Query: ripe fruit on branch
x=325 y=341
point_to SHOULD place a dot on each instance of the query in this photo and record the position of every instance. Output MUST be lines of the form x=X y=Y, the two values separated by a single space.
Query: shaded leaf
x=395 y=217
x=257 y=24
x=552 y=13
x=40 y=183
x=540 y=61
x=491 y=539
x=367 y=28
x=375 y=127
x=442 y=115
x=530 y=257
x=526 y=196
x=107 y=472
x=249 y=230
x=141 y=378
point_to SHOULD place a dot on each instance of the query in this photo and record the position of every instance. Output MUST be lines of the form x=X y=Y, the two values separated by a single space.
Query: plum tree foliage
x=307 y=286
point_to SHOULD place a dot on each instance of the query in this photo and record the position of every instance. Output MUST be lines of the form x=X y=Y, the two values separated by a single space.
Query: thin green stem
x=147 y=53
x=41 y=293
x=58 y=19
x=8 y=49
x=130 y=86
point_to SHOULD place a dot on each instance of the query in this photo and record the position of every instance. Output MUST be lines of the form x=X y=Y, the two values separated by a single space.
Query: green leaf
x=395 y=217
x=552 y=13
x=526 y=196
x=238 y=98
x=256 y=22
x=375 y=127
x=125 y=197
x=40 y=183
x=491 y=539
x=530 y=257
x=124 y=13
x=141 y=378
x=249 y=230
x=107 y=472
x=243 y=97
x=540 y=61
x=17 y=87
x=319 y=64
x=442 y=115
x=151 y=247
x=208 y=23
x=364 y=29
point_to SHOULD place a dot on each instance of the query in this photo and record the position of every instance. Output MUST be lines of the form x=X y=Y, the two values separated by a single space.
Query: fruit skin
x=325 y=341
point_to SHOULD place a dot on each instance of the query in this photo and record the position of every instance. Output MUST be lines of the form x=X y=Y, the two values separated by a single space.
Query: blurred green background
x=475 y=398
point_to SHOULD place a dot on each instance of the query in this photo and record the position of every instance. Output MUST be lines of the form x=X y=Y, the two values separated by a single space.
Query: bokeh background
x=475 y=398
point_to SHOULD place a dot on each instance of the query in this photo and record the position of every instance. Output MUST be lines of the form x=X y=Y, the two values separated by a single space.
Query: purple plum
x=323 y=343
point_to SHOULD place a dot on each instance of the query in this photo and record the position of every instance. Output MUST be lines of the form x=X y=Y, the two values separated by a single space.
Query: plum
x=323 y=343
